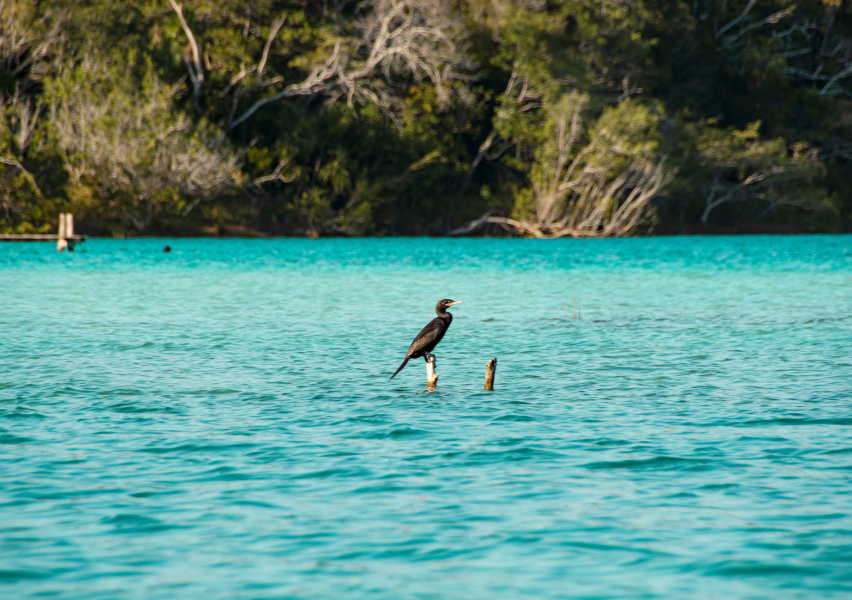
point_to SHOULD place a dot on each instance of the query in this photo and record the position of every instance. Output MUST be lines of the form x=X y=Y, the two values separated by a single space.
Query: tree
x=746 y=168
x=27 y=41
x=353 y=117
x=133 y=147
x=368 y=59
x=602 y=188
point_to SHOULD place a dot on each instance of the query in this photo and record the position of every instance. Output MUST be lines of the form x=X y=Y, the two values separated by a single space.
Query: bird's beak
x=456 y=302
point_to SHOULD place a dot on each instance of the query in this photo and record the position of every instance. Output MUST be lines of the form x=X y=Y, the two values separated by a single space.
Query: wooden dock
x=64 y=239
x=40 y=237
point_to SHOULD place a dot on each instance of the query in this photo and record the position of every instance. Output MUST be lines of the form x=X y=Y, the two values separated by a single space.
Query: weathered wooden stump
x=490 y=371
x=431 y=375
x=61 y=242
x=69 y=231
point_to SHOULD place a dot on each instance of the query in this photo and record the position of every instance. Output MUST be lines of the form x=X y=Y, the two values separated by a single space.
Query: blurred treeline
x=383 y=117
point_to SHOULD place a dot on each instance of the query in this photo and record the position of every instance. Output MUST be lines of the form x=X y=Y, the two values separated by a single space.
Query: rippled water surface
x=218 y=422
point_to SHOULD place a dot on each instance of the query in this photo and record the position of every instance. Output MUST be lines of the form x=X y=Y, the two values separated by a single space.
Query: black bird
x=430 y=335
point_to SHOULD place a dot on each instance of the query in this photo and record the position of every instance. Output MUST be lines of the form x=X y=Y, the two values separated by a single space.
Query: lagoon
x=217 y=422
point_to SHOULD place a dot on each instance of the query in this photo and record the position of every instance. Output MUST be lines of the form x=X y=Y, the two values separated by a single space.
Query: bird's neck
x=443 y=314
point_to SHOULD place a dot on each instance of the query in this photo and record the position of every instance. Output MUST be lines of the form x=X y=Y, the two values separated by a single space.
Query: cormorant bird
x=430 y=335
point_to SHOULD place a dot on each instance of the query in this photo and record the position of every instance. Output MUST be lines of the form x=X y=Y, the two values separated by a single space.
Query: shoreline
x=435 y=237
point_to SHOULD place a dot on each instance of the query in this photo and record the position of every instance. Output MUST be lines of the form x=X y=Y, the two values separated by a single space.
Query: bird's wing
x=427 y=335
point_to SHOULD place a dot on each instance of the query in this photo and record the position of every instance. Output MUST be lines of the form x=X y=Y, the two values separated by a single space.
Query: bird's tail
x=405 y=362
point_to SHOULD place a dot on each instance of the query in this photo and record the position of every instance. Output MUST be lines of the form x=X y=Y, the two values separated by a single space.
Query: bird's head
x=444 y=304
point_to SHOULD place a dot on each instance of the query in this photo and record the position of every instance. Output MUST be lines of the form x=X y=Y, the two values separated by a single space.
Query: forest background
x=581 y=118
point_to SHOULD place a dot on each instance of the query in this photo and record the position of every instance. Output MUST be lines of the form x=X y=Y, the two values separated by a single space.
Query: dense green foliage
x=354 y=117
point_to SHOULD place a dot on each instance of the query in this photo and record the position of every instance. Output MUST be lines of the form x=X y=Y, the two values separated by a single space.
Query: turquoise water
x=218 y=422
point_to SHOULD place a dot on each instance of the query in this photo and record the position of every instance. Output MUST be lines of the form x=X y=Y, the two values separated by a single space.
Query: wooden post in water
x=69 y=231
x=431 y=375
x=490 y=371
x=61 y=243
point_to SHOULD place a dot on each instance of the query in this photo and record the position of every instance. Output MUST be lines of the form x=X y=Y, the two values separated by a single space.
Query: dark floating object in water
x=167 y=249
x=428 y=338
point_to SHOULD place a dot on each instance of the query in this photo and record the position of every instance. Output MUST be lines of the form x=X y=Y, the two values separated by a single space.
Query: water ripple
x=218 y=422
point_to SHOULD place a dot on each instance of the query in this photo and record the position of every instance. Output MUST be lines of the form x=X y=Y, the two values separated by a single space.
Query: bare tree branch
x=742 y=17
x=847 y=72
x=396 y=41
x=481 y=154
x=274 y=176
x=195 y=69
x=275 y=28
x=313 y=84
x=14 y=163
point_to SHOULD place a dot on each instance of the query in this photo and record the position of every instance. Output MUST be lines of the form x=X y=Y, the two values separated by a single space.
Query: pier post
x=61 y=243
x=490 y=371
x=431 y=375
x=69 y=231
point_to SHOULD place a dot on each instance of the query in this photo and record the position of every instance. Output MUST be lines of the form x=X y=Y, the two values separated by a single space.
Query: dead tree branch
x=396 y=42
x=274 y=176
x=194 y=67
x=14 y=163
